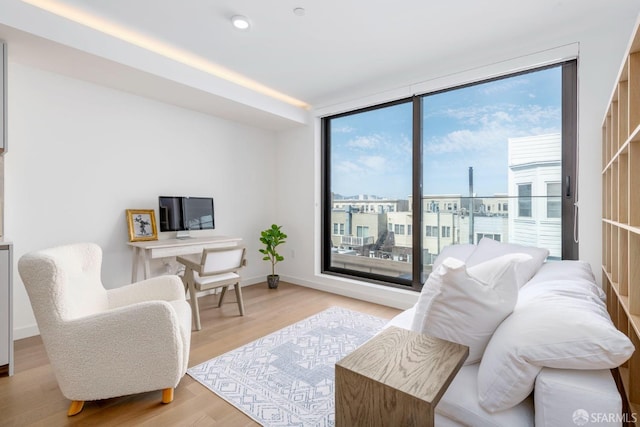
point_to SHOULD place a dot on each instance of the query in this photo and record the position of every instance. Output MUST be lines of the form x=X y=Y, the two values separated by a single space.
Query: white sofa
x=547 y=363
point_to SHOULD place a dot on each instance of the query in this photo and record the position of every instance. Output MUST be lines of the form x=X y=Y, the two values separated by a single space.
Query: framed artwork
x=142 y=225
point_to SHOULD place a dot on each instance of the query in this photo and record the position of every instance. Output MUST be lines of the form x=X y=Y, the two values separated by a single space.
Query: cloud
x=503 y=86
x=343 y=129
x=376 y=163
x=465 y=140
x=364 y=142
x=371 y=157
x=347 y=167
x=482 y=128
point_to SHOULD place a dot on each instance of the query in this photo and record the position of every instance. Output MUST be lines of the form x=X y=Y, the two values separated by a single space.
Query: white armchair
x=106 y=343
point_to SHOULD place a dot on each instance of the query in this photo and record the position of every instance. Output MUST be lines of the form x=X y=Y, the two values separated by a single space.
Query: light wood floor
x=31 y=397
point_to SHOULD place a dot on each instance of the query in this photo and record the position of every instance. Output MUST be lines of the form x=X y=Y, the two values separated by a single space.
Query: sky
x=464 y=127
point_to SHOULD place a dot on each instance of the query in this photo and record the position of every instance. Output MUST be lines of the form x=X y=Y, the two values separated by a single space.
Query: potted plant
x=271 y=238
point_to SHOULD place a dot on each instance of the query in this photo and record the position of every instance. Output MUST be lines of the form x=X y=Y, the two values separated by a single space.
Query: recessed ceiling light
x=299 y=11
x=240 y=22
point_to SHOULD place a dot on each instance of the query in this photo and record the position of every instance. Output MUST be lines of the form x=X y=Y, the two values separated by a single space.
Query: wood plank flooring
x=31 y=397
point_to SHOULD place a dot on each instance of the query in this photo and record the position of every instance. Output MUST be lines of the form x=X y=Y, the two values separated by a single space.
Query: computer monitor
x=182 y=213
x=197 y=213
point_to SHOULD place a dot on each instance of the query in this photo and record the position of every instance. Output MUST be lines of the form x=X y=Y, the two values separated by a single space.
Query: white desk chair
x=215 y=268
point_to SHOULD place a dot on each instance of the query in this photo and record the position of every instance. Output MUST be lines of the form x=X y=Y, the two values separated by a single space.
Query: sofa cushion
x=465 y=305
x=488 y=249
x=404 y=319
x=460 y=403
x=564 y=397
x=559 y=323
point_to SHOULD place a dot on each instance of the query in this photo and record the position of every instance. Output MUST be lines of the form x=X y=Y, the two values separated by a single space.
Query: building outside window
x=495 y=237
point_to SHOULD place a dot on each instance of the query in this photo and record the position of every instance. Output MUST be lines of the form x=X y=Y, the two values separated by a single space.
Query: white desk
x=145 y=251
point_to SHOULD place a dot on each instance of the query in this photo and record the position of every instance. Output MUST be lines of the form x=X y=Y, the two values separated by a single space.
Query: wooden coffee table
x=395 y=379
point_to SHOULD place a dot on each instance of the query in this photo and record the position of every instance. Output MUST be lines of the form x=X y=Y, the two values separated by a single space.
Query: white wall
x=80 y=154
x=600 y=57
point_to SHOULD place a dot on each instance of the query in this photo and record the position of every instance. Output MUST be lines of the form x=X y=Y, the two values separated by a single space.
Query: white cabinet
x=6 y=309
x=3 y=97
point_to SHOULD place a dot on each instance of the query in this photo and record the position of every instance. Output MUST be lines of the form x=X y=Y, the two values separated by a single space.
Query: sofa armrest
x=571 y=396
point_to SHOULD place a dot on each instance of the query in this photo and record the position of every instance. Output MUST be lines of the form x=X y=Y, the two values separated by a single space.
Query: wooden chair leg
x=193 y=300
x=239 y=298
x=167 y=395
x=75 y=407
x=222 y=294
x=185 y=282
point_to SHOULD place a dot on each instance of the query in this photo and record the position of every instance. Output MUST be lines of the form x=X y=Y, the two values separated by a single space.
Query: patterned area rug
x=287 y=378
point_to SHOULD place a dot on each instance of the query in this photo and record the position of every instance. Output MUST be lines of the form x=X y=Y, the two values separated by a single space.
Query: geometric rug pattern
x=287 y=377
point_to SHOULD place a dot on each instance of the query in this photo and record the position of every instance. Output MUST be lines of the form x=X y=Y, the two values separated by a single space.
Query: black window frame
x=569 y=217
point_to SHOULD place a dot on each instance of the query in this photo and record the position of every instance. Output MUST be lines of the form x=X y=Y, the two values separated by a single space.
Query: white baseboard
x=25 y=332
x=377 y=294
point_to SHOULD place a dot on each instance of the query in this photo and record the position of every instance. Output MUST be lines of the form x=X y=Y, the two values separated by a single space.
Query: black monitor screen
x=198 y=213
x=170 y=212
x=185 y=213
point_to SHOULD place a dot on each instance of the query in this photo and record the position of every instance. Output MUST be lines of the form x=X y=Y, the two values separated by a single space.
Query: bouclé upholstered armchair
x=106 y=343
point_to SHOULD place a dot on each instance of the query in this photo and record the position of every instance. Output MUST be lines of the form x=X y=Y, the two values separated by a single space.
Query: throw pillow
x=465 y=305
x=489 y=248
x=558 y=323
x=460 y=251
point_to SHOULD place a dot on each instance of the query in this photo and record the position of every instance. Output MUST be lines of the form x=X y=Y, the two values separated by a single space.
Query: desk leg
x=140 y=254
x=134 y=264
x=145 y=262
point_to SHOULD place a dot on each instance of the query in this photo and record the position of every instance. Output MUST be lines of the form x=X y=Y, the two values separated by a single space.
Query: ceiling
x=336 y=51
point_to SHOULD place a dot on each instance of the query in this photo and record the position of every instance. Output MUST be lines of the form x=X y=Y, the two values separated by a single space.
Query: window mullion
x=417 y=194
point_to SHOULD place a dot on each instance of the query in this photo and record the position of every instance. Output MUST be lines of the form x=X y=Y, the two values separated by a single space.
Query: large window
x=480 y=160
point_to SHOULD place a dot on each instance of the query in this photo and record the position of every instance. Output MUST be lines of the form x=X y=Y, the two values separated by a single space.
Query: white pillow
x=489 y=248
x=565 y=269
x=465 y=305
x=557 y=324
x=460 y=251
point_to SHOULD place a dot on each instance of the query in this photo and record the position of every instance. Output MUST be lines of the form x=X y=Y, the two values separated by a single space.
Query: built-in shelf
x=621 y=211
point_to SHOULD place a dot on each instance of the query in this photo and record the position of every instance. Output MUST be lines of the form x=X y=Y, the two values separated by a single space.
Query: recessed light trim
x=240 y=22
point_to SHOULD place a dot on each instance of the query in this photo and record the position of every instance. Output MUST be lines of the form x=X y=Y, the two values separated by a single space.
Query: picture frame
x=142 y=225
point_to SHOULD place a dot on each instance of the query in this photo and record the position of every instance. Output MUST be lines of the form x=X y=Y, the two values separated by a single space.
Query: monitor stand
x=183 y=234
